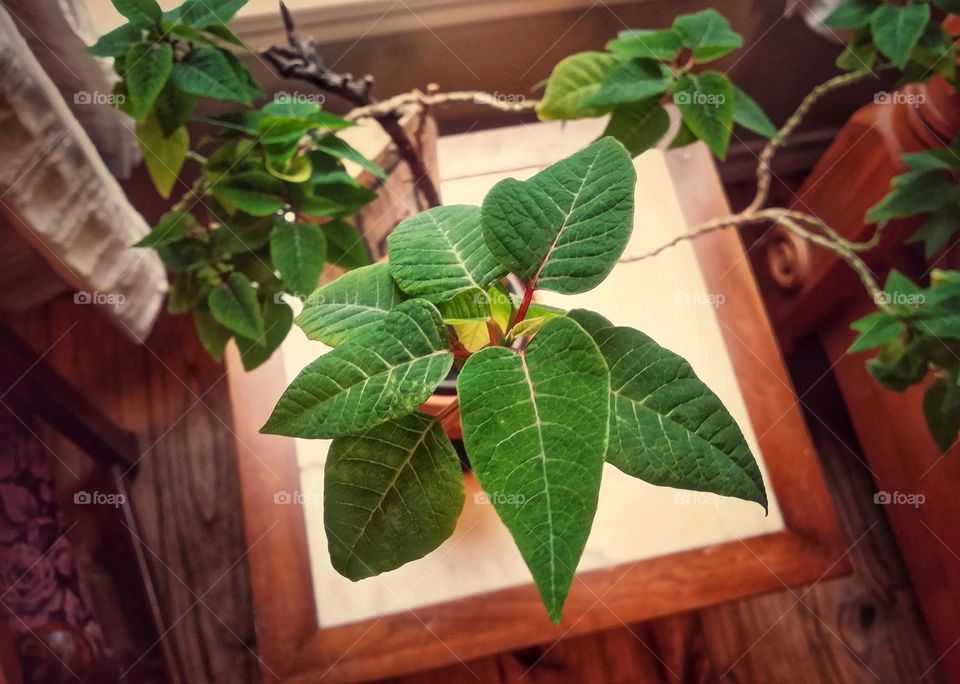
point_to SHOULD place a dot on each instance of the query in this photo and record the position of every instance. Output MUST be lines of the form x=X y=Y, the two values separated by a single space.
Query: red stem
x=524 y=305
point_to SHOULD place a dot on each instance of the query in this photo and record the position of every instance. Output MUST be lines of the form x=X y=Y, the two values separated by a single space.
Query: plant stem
x=524 y=305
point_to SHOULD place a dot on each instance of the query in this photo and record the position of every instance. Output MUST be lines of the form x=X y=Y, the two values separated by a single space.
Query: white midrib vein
x=546 y=483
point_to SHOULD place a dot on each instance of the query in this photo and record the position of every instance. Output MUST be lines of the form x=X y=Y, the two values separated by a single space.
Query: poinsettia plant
x=545 y=400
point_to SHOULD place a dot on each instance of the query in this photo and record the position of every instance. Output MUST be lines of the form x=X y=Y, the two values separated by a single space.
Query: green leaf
x=632 y=81
x=223 y=33
x=941 y=408
x=572 y=83
x=535 y=429
x=683 y=137
x=897 y=30
x=938 y=231
x=935 y=52
x=250 y=87
x=860 y=52
x=298 y=250
x=565 y=228
x=163 y=156
x=346 y=247
x=148 y=65
x=351 y=304
x=171 y=227
x=204 y=14
x=117 y=42
x=441 y=252
x=382 y=372
x=140 y=12
x=706 y=103
x=659 y=45
x=254 y=192
x=173 y=108
x=277 y=321
x=336 y=147
x=590 y=321
x=667 y=427
x=207 y=72
x=915 y=192
x=852 y=14
x=898 y=365
x=183 y=255
x=708 y=34
x=748 y=114
x=212 y=335
x=876 y=329
x=948 y=5
x=639 y=126
x=234 y=305
x=469 y=306
x=390 y=495
x=929 y=160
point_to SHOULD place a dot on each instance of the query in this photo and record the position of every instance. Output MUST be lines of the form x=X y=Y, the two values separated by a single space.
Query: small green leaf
x=469 y=306
x=706 y=103
x=938 y=231
x=441 y=252
x=148 y=65
x=572 y=83
x=639 y=125
x=143 y=13
x=636 y=80
x=667 y=427
x=897 y=30
x=659 y=45
x=748 y=114
x=535 y=429
x=565 y=228
x=336 y=147
x=935 y=52
x=876 y=329
x=852 y=14
x=212 y=335
x=277 y=321
x=929 y=160
x=234 y=305
x=298 y=250
x=297 y=170
x=346 y=247
x=391 y=495
x=207 y=72
x=171 y=227
x=183 y=255
x=708 y=34
x=860 y=52
x=117 y=42
x=915 y=192
x=350 y=304
x=382 y=372
x=254 y=192
x=204 y=14
x=163 y=156
x=683 y=137
x=941 y=408
x=173 y=108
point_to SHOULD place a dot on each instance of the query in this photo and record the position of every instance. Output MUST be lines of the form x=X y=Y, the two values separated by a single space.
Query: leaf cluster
x=546 y=396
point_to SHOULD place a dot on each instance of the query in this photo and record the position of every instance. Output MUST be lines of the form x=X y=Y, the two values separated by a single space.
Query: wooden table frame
x=292 y=646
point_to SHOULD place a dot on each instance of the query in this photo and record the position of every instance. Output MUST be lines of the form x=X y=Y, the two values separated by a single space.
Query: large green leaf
x=535 y=429
x=205 y=14
x=708 y=34
x=206 y=71
x=706 y=103
x=277 y=321
x=336 y=147
x=667 y=427
x=852 y=14
x=148 y=65
x=117 y=42
x=234 y=305
x=897 y=30
x=915 y=192
x=632 y=81
x=590 y=321
x=381 y=372
x=139 y=12
x=299 y=251
x=350 y=304
x=572 y=83
x=660 y=45
x=163 y=155
x=565 y=228
x=346 y=247
x=390 y=495
x=638 y=125
x=441 y=252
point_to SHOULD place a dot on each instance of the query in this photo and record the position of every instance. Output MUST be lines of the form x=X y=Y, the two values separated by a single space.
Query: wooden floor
x=861 y=628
